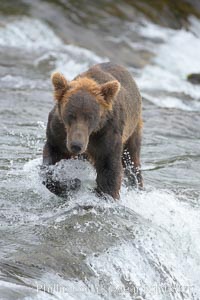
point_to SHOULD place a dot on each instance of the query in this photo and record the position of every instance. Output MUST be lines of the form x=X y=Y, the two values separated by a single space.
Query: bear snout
x=76 y=147
x=77 y=138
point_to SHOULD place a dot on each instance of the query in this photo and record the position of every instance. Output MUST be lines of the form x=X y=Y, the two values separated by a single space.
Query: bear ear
x=60 y=85
x=110 y=89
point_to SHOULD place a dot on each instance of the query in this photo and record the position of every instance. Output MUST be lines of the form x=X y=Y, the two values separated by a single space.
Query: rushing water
x=145 y=246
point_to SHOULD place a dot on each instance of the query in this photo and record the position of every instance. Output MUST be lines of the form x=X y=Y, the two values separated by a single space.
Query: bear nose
x=76 y=147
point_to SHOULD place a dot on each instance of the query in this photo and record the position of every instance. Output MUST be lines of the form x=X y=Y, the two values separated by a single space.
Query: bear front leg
x=109 y=170
x=50 y=157
x=131 y=157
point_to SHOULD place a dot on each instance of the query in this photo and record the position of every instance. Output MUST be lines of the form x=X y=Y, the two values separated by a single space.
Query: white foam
x=179 y=219
x=27 y=33
x=171 y=102
x=194 y=25
x=31 y=35
x=72 y=60
x=165 y=254
x=65 y=169
x=166 y=243
x=175 y=57
x=19 y=82
x=179 y=51
x=153 y=31
x=63 y=289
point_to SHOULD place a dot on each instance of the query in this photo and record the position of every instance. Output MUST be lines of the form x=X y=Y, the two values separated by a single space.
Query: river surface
x=145 y=246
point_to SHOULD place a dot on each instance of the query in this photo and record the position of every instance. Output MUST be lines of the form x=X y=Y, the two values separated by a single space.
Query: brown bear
x=97 y=114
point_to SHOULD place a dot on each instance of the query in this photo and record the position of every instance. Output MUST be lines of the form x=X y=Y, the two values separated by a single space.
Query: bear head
x=82 y=105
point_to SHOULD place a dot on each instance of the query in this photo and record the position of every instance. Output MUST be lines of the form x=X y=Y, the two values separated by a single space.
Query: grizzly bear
x=98 y=114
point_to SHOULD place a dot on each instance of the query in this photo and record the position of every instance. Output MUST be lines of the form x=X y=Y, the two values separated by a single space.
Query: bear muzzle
x=76 y=147
x=77 y=139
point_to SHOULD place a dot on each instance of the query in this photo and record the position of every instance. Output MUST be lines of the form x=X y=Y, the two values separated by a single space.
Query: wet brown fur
x=85 y=83
x=80 y=83
x=119 y=128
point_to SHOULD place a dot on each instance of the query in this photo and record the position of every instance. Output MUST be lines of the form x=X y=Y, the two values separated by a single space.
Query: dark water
x=146 y=246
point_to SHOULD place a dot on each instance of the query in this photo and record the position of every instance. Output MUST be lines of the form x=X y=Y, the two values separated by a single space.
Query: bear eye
x=71 y=118
x=89 y=117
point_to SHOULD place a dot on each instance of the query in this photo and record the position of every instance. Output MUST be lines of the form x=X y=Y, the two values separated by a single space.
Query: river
x=144 y=246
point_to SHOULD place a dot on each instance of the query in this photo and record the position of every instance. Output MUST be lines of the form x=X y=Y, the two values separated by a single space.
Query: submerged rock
x=194 y=78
